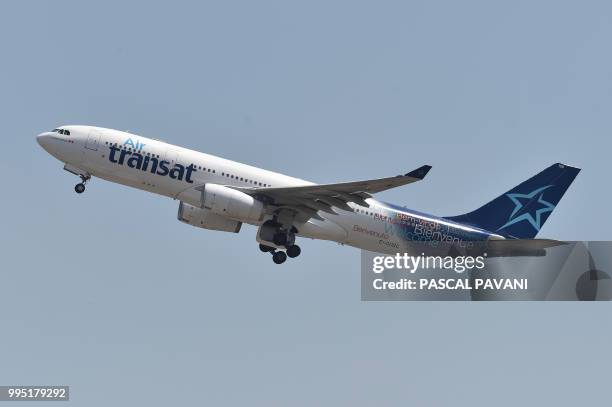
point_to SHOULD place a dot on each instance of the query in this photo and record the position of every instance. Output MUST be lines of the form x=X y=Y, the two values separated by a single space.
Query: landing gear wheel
x=80 y=188
x=293 y=251
x=265 y=248
x=280 y=239
x=279 y=257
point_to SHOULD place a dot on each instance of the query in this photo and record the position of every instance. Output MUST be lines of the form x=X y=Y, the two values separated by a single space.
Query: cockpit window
x=61 y=131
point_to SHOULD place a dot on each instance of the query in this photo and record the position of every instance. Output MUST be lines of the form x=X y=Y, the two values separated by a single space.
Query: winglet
x=419 y=173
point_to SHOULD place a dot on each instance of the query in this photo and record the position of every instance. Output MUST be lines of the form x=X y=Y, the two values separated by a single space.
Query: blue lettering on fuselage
x=136 y=146
x=148 y=163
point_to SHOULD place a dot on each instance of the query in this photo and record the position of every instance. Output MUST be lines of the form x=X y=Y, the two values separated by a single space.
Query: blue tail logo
x=521 y=212
x=526 y=207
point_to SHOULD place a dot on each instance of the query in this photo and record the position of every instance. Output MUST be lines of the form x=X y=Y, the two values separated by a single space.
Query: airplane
x=218 y=194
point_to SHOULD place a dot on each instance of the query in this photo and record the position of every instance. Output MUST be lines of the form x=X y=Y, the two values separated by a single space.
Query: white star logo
x=527 y=210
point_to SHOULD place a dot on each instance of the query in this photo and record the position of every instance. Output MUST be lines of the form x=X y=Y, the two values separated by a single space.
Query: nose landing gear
x=80 y=187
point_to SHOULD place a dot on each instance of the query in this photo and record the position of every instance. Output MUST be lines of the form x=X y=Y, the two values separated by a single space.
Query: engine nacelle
x=231 y=203
x=205 y=218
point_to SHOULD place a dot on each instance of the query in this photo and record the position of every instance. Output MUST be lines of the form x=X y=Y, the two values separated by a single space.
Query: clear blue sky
x=109 y=293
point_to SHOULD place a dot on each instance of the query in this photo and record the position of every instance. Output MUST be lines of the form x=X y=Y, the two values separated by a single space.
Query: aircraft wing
x=309 y=199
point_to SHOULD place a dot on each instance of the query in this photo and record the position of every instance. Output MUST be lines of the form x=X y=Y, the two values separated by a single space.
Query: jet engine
x=205 y=218
x=231 y=203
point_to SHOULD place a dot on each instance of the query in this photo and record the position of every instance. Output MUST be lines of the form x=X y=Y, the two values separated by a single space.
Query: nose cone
x=45 y=141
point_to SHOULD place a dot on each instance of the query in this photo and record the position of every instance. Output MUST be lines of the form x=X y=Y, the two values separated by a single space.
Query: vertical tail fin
x=521 y=212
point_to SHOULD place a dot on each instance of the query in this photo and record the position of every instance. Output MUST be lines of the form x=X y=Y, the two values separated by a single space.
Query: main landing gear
x=278 y=256
x=281 y=240
x=80 y=187
x=293 y=251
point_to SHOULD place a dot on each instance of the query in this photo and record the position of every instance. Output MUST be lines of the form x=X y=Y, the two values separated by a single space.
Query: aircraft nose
x=44 y=139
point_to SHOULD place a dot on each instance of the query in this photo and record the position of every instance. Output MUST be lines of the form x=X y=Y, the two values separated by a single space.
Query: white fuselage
x=105 y=153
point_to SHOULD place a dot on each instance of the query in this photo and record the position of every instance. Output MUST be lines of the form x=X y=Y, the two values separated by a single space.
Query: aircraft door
x=93 y=140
